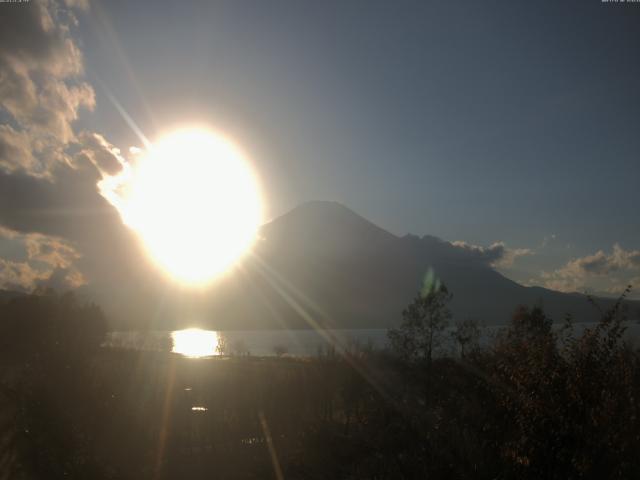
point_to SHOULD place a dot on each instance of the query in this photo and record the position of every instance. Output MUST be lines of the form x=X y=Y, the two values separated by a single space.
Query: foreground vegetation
x=536 y=403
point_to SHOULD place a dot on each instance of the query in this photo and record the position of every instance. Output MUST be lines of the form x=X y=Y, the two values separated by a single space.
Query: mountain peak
x=324 y=220
x=325 y=224
x=323 y=207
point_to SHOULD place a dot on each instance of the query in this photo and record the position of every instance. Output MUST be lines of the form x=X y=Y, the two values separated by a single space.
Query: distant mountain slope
x=322 y=263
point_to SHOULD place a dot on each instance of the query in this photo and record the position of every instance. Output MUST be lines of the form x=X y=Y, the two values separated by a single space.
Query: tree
x=571 y=399
x=527 y=324
x=423 y=323
x=466 y=334
x=49 y=344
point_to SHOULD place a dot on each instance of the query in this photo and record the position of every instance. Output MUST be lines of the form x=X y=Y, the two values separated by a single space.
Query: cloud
x=497 y=254
x=20 y=275
x=576 y=274
x=625 y=259
x=38 y=259
x=41 y=91
x=80 y=4
x=601 y=263
x=48 y=170
x=96 y=150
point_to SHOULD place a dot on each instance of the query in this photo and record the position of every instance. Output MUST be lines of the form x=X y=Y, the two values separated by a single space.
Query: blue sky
x=483 y=122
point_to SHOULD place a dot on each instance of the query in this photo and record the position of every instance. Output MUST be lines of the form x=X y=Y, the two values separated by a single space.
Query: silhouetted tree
x=466 y=334
x=423 y=323
x=571 y=400
x=49 y=343
x=527 y=324
x=535 y=404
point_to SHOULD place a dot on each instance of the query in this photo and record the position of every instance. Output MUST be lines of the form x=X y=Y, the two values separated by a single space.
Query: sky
x=499 y=125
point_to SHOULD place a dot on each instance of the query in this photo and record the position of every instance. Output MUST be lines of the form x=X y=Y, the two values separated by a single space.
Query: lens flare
x=193 y=200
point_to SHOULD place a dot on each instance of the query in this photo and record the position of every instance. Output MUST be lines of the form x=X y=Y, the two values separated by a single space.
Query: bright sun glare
x=193 y=200
x=195 y=342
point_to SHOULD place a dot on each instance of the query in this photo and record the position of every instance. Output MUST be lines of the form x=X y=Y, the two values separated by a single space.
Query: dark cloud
x=497 y=254
x=60 y=207
x=63 y=233
x=48 y=171
x=112 y=263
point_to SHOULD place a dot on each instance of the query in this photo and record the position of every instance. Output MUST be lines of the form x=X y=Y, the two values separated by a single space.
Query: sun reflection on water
x=195 y=343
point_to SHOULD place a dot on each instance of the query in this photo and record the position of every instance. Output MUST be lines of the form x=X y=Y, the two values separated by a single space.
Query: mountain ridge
x=362 y=276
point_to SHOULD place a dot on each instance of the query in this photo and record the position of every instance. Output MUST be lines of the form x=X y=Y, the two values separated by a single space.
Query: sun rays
x=194 y=202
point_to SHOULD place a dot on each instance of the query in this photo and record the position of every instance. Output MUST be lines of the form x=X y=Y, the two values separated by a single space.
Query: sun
x=194 y=201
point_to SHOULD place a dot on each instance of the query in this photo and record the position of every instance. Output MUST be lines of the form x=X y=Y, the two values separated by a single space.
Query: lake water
x=299 y=343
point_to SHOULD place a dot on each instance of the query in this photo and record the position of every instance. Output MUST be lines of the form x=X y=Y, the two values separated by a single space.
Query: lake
x=298 y=343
